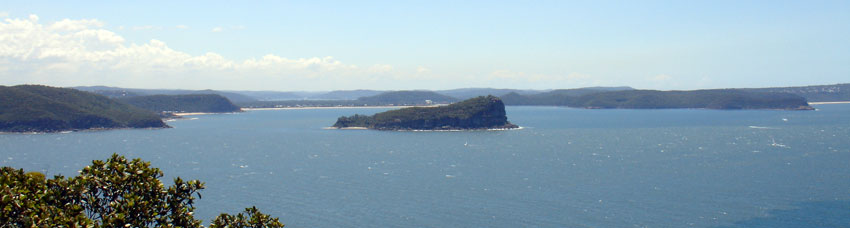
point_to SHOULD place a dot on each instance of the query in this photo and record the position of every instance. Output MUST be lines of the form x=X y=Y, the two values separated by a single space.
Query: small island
x=485 y=112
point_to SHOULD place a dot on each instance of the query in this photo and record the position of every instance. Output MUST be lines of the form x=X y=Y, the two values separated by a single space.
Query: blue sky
x=328 y=45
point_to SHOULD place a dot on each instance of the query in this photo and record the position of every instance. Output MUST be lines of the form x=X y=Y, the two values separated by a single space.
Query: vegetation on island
x=211 y=103
x=653 y=99
x=112 y=193
x=36 y=108
x=476 y=113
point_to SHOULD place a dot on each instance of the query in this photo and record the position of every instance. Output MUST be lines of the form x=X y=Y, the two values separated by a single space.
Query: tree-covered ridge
x=476 y=113
x=35 y=108
x=114 y=193
x=183 y=103
x=653 y=99
x=815 y=93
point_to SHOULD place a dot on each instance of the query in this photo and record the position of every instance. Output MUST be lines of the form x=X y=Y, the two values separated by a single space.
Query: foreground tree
x=251 y=218
x=114 y=193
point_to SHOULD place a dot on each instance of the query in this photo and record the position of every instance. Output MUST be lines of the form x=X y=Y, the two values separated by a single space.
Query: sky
x=397 y=45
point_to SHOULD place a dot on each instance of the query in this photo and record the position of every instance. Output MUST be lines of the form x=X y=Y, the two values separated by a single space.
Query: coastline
x=829 y=102
x=202 y=113
x=338 y=107
x=412 y=130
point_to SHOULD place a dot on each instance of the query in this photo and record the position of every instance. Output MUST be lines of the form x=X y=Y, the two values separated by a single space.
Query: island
x=479 y=113
x=36 y=108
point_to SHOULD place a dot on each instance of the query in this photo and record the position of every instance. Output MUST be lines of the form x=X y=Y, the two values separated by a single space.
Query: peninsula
x=192 y=103
x=35 y=108
x=485 y=112
x=652 y=99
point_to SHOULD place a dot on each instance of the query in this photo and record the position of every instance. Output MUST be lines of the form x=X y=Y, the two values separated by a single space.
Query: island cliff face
x=476 y=113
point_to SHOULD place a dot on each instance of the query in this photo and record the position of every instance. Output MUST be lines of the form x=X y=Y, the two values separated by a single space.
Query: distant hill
x=35 y=108
x=233 y=97
x=212 y=103
x=346 y=94
x=652 y=99
x=466 y=93
x=128 y=92
x=476 y=113
x=268 y=96
x=556 y=97
x=816 y=93
x=407 y=98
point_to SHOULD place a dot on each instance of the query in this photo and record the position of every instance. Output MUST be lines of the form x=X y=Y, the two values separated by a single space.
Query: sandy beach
x=829 y=102
x=193 y=113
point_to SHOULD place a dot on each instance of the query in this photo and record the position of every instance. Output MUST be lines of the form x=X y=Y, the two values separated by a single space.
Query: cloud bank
x=82 y=52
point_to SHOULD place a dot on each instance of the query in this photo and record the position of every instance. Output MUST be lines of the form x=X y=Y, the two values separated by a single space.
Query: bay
x=565 y=168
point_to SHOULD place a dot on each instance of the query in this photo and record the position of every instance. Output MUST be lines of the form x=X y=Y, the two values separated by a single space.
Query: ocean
x=565 y=168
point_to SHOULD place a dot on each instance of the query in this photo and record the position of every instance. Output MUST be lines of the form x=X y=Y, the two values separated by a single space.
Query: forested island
x=475 y=113
x=653 y=99
x=35 y=108
x=208 y=103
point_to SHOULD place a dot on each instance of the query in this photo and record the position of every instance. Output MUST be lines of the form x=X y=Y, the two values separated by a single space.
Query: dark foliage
x=183 y=103
x=112 y=193
x=35 y=108
x=652 y=99
x=476 y=113
x=252 y=218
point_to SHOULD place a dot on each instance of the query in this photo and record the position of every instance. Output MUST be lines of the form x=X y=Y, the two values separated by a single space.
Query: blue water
x=566 y=168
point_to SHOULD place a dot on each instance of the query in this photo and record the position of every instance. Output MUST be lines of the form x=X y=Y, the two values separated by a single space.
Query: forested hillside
x=35 y=108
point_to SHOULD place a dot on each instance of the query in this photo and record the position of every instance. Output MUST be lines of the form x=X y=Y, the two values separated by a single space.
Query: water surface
x=566 y=168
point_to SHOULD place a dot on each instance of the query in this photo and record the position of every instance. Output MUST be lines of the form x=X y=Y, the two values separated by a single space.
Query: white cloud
x=4 y=14
x=218 y=29
x=181 y=27
x=81 y=52
x=237 y=27
x=75 y=25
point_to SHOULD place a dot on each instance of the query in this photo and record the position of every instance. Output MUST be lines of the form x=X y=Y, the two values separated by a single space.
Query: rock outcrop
x=476 y=113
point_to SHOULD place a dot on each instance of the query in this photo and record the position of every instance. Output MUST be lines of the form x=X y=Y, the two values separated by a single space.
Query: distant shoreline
x=336 y=107
x=829 y=102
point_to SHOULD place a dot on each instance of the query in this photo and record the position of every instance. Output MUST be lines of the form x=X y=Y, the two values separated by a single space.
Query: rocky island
x=35 y=108
x=485 y=112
